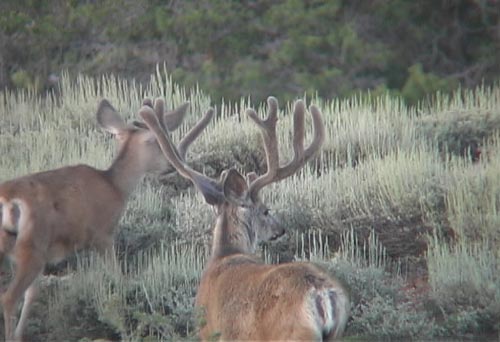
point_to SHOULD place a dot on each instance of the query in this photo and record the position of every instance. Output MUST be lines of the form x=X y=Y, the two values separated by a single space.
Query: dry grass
x=391 y=198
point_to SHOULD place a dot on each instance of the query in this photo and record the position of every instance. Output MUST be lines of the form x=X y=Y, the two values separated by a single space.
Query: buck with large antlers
x=46 y=216
x=241 y=297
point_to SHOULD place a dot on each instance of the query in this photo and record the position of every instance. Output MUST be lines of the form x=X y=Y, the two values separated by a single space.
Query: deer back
x=74 y=207
x=269 y=302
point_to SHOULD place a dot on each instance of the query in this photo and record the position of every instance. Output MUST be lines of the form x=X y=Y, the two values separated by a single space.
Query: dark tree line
x=257 y=47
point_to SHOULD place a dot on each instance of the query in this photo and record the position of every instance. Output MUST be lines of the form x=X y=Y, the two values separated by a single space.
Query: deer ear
x=109 y=119
x=174 y=118
x=235 y=186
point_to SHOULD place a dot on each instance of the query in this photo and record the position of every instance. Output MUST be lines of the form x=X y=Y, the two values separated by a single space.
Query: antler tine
x=301 y=156
x=194 y=133
x=298 y=129
x=167 y=146
x=268 y=131
x=206 y=185
x=319 y=133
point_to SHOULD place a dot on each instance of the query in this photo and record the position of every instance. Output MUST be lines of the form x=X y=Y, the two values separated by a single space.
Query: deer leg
x=2 y=257
x=28 y=267
x=29 y=298
x=7 y=243
x=3 y=248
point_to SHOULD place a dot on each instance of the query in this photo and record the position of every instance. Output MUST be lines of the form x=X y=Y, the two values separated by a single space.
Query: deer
x=239 y=296
x=46 y=216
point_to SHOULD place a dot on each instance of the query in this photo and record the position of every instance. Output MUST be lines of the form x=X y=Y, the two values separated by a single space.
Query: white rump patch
x=328 y=318
x=321 y=311
x=10 y=222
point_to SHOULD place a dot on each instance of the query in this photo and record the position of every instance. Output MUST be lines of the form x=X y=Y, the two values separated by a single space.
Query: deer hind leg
x=29 y=297
x=2 y=258
x=28 y=267
x=7 y=242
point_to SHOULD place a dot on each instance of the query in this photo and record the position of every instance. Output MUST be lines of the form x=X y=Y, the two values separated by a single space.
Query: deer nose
x=279 y=233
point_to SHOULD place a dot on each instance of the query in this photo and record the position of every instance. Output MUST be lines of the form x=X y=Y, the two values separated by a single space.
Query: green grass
x=395 y=206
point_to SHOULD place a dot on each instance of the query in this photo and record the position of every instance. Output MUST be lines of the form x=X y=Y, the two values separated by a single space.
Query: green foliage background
x=403 y=190
x=256 y=47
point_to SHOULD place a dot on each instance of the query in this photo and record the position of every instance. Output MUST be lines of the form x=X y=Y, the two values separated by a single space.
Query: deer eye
x=267 y=211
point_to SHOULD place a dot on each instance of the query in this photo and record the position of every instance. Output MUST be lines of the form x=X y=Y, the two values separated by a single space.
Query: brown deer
x=46 y=216
x=241 y=297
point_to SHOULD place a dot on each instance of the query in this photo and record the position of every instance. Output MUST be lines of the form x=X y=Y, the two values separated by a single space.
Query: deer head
x=243 y=220
x=138 y=136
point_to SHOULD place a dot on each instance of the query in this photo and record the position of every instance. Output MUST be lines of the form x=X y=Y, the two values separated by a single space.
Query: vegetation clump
x=394 y=207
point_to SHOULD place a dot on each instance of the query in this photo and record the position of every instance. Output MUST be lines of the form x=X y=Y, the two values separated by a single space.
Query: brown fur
x=239 y=297
x=64 y=210
x=77 y=199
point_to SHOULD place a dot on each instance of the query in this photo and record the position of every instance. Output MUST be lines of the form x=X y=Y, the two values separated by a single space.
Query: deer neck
x=126 y=172
x=230 y=236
